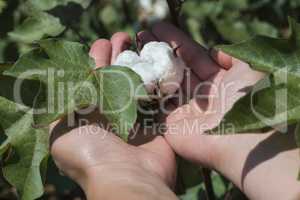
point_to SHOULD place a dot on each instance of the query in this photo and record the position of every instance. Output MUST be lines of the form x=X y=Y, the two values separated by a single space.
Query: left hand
x=90 y=153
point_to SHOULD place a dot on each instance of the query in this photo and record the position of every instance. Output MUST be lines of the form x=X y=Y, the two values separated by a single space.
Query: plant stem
x=126 y=11
x=209 y=191
x=175 y=8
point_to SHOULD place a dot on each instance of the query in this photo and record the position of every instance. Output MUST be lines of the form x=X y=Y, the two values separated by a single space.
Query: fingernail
x=221 y=58
x=175 y=50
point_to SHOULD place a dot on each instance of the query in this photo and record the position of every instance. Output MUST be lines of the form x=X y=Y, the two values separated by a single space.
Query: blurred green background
x=209 y=22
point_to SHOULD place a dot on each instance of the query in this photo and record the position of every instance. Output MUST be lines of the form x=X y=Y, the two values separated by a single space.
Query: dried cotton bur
x=157 y=65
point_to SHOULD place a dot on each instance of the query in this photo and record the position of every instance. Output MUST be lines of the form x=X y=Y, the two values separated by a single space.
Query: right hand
x=264 y=166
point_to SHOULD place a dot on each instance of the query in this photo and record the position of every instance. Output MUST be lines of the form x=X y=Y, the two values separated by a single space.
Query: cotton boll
x=160 y=9
x=153 y=10
x=168 y=69
x=157 y=66
x=160 y=55
x=127 y=58
x=147 y=76
x=131 y=60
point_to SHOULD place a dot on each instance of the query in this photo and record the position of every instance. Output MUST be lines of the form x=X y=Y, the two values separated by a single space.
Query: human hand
x=264 y=166
x=100 y=161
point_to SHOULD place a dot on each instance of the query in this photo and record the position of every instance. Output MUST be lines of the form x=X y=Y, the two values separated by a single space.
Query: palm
x=199 y=115
x=245 y=158
x=219 y=89
x=90 y=146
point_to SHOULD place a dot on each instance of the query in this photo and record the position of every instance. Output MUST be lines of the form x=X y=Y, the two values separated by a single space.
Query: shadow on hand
x=268 y=148
x=76 y=120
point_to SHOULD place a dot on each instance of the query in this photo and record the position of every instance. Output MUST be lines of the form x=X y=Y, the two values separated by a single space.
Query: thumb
x=223 y=59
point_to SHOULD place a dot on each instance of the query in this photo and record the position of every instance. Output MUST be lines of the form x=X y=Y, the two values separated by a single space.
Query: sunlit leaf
x=36 y=27
x=28 y=148
x=274 y=100
x=73 y=82
x=50 y=4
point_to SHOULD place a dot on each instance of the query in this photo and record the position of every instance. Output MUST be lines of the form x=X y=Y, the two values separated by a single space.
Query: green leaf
x=276 y=99
x=207 y=8
x=189 y=172
x=119 y=92
x=2 y=5
x=236 y=30
x=27 y=147
x=194 y=28
x=73 y=83
x=114 y=16
x=198 y=191
x=235 y=4
x=268 y=104
x=257 y=27
x=233 y=31
x=50 y=4
x=36 y=27
x=22 y=167
x=4 y=66
x=294 y=3
x=62 y=67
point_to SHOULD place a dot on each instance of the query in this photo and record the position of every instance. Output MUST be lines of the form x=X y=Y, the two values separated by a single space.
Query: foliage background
x=209 y=22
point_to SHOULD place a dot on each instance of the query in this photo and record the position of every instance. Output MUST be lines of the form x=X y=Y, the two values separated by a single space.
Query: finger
x=101 y=52
x=190 y=82
x=145 y=37
x=223 y=59
x=194 y=55
x=120 y=42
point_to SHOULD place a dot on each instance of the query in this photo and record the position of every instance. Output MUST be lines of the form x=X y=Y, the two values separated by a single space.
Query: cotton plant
x=153 y=10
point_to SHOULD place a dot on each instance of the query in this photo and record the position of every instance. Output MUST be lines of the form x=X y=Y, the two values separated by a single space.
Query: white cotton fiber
x=157 y=66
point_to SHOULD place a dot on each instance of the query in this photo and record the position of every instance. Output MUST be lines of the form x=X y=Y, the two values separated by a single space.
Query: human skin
x=264 y=166
x=101 y=163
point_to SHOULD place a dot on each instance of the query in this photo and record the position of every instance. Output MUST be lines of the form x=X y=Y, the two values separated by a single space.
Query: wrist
x=130 y=182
